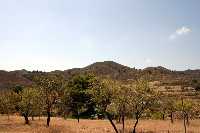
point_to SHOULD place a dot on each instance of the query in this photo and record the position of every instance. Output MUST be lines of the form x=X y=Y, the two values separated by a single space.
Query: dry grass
x=59 y=125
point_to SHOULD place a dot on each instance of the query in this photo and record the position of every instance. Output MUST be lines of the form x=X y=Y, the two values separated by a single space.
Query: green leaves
x=77 y=96
x=8 y=101
x=28 y=101
x=102 y=93
x=184 y=105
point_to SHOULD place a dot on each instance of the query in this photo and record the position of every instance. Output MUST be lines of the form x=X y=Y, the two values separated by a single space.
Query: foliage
x=51 y=87
x=77 y=98
x=8 y=102
x=166 y=106
x=28 y=103
x=87 y=96
x=185 y=106
x=142 y=98
x=17 y=89
x=102 y=92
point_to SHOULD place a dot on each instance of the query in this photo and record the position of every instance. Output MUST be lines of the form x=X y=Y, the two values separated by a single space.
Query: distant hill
x=158 y=70
x=108 y=69
x=10 y=79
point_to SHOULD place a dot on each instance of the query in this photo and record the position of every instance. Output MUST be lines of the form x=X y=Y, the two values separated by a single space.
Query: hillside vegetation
x=108 y=69
x=103 y=90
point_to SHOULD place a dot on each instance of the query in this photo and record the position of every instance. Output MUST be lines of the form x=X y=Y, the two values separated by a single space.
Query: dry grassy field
x=59 y=125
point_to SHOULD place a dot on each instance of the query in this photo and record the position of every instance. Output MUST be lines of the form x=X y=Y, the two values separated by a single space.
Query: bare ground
x=59 y=125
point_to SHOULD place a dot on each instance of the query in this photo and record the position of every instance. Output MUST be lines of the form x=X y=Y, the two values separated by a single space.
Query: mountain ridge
x=198 y=69
x=106 y=69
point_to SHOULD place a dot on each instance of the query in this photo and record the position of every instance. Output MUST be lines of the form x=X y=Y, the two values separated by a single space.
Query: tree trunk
x=119 y=119
x=184 y=116
x=39 y=115
x=48 y=117
x=123 y=117
x=112 y=123
x=171 y=117
x=32 y=118
x=123 y=123
x=184 y=120
x=134 y=129
x=163 y=116
x=187 y=118
x=78 y=116
x=26 y=119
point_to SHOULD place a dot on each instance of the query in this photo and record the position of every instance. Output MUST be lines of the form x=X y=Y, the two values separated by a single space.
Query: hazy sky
x=62 y=34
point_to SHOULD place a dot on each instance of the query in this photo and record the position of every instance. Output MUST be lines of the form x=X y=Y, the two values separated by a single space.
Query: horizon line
x=99 y=62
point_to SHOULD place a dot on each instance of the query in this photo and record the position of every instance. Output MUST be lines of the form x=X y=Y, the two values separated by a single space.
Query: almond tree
x=28 y=102
x=39 y=105
x=171 y=107
x=185 y=106
x=51 y=88
x=120 y=104
x=166 y=106
x=8 y=102
x=141 y=99
x=102 y=94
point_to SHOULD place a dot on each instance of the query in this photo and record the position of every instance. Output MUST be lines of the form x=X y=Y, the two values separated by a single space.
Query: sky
x=51 y=35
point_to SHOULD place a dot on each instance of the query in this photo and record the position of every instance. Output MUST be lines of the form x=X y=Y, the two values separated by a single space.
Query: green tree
x=102 y=92
x=77 y=97
x=120 y=103
x=17 y=89
x=185 y=106
x=167 y=106
x=38 y=105
x=27 y=102
x=51 y=87
x=195 y=84
x=171 y=107
x=142 y=98
x=8 y=102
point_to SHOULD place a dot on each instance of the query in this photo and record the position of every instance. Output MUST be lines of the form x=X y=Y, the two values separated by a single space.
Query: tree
x=142 y=98
x=51 y=87
x=171 y=108
x=167 y=106
x=185 y=106
x=78 y=100
x=27 y=102
x=17 y=89
x=102 y=92
x=195 y=84
x=38 y=105
x=8 y=102
x=120 y=103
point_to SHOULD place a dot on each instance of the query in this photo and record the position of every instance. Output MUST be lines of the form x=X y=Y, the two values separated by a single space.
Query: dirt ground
x=58 y=125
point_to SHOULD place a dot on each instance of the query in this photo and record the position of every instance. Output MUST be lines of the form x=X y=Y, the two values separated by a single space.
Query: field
x=59 y=125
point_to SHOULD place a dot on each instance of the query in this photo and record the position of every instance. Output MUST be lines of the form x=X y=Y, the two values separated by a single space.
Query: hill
x=106 y=69
x=109 y=69
x=9 y=79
